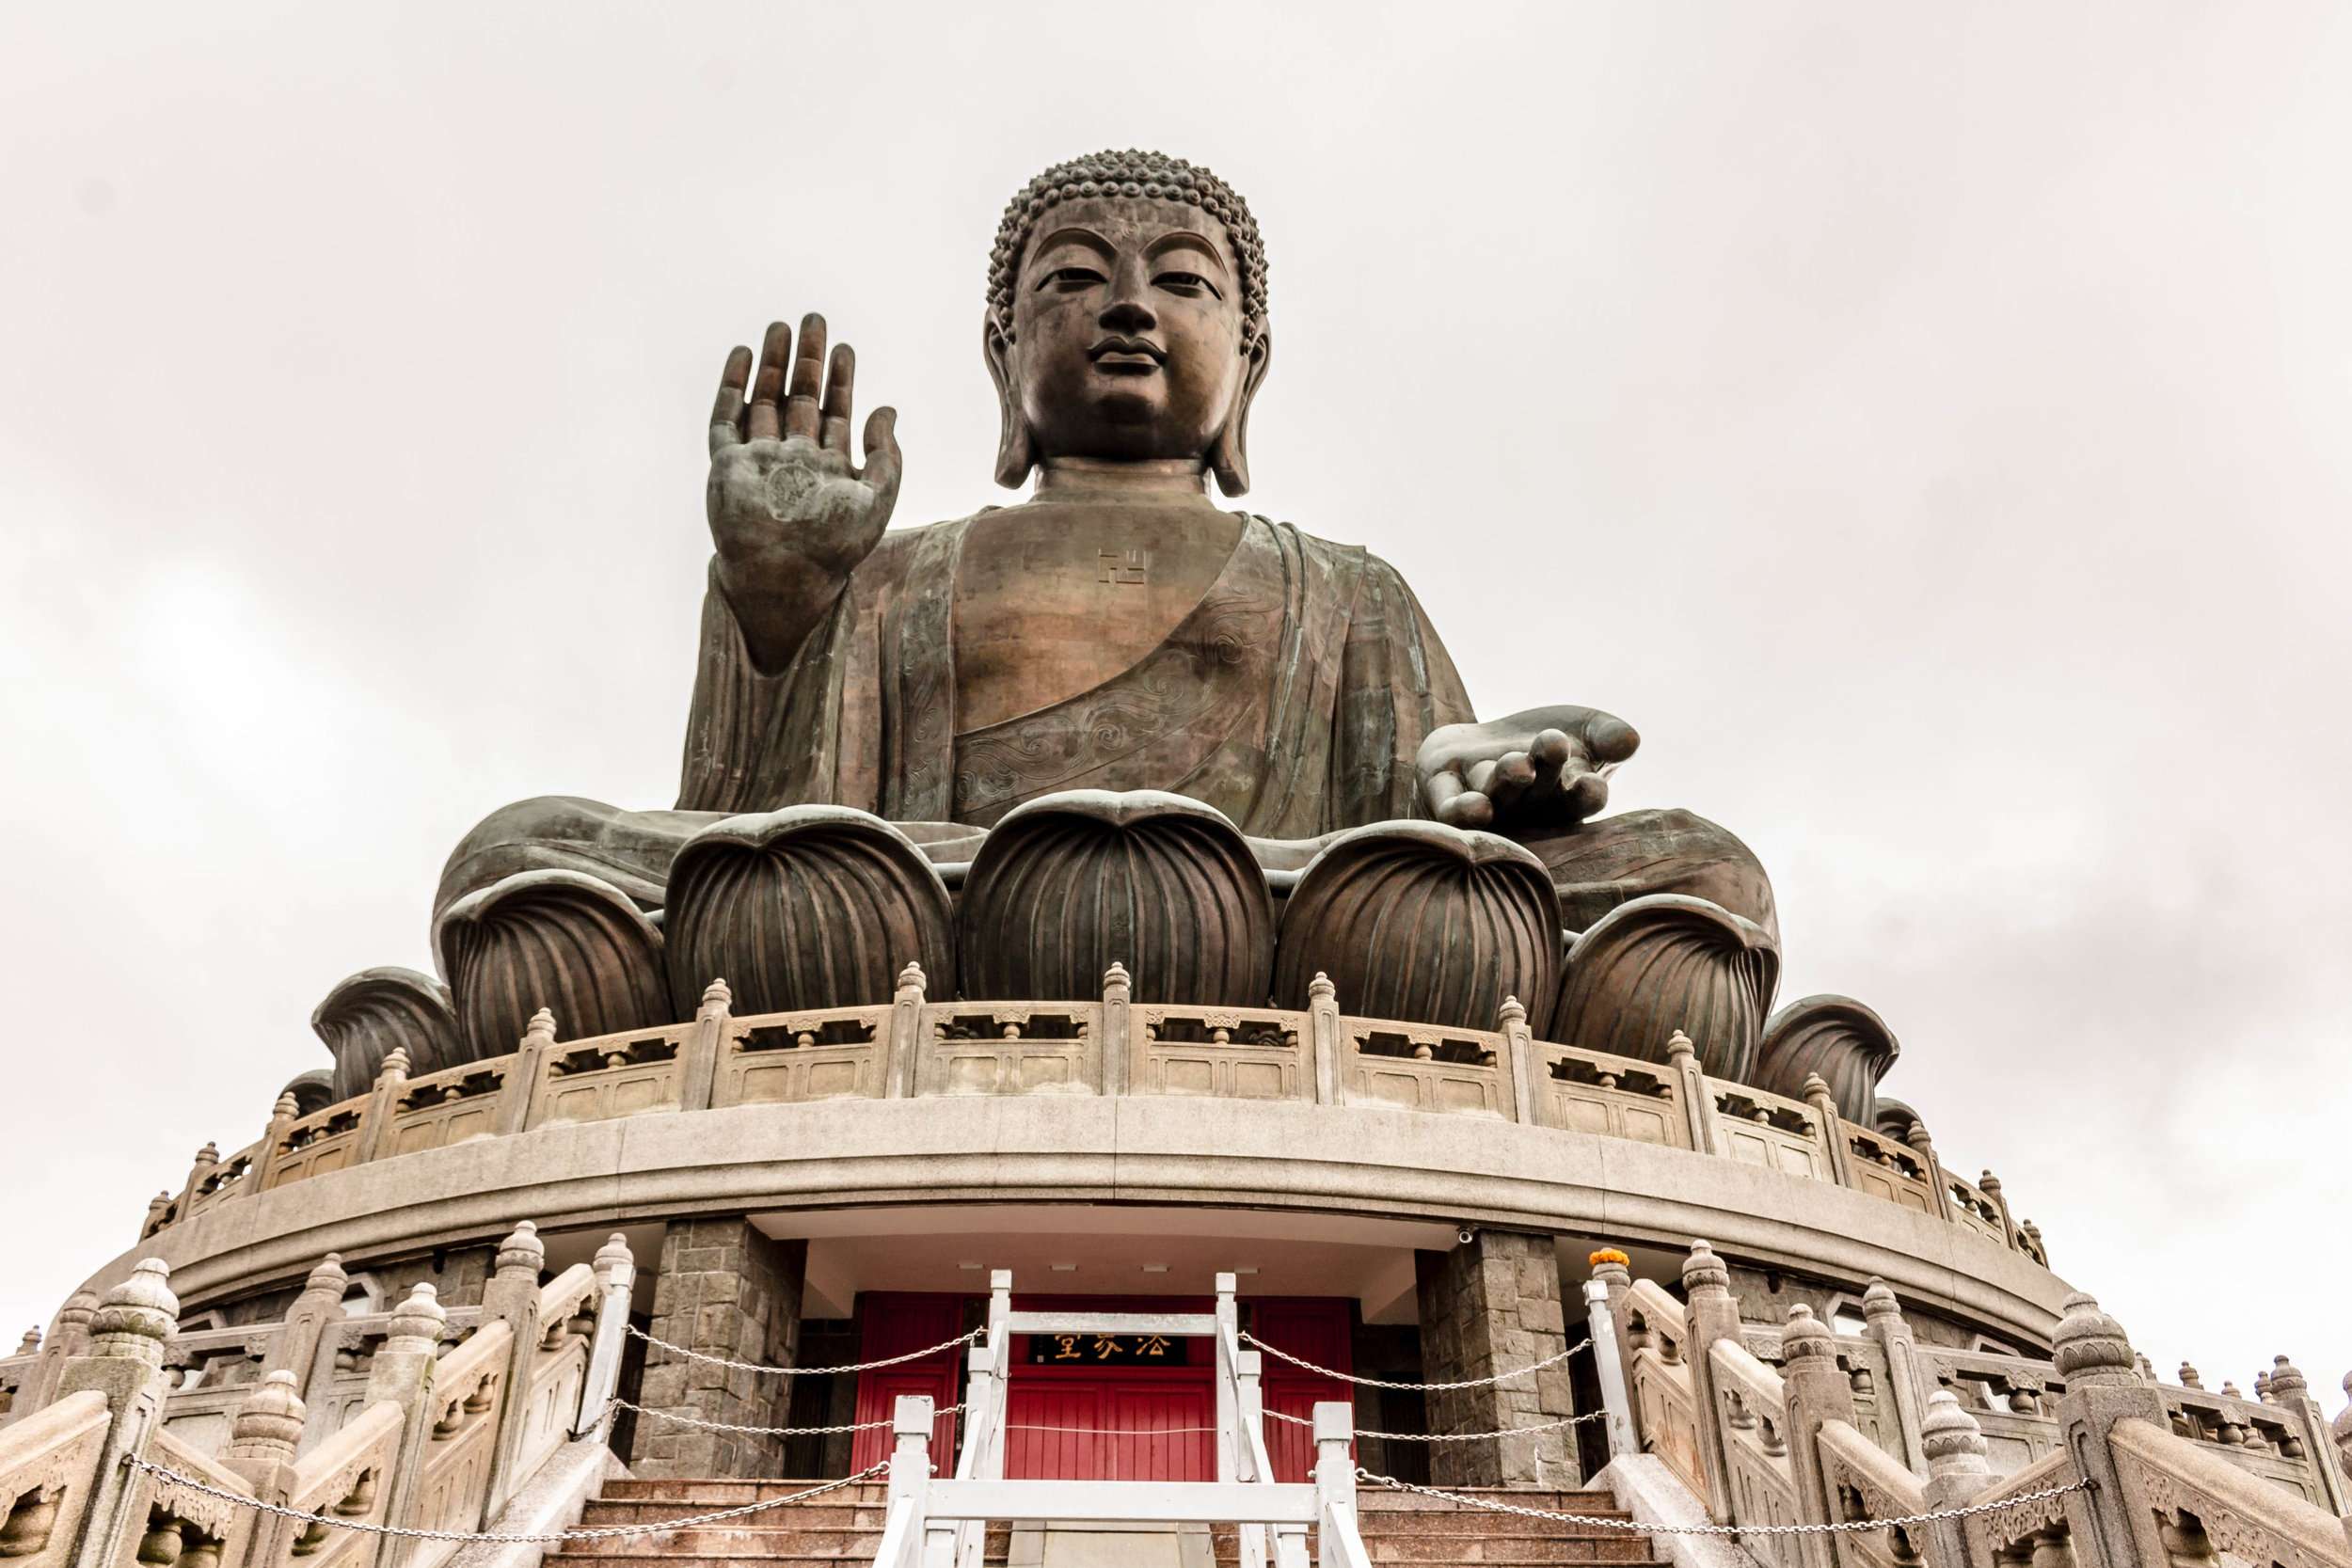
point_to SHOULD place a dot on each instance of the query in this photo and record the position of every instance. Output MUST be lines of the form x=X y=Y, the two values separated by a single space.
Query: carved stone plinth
x=1417 y=919
x=560 y=939
x=1068 y=885
x=365 y=1015
x=1654 y=965
x=1848 y=1044
x=806 y=908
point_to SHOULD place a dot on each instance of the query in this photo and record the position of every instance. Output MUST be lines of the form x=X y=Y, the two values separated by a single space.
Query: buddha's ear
x=1015 y=456
x=1229 y=456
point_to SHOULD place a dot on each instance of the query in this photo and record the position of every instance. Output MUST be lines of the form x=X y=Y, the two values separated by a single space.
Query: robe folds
x=1292 y=698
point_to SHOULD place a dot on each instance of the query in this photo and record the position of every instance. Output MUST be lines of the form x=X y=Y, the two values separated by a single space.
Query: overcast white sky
x=1927 y=423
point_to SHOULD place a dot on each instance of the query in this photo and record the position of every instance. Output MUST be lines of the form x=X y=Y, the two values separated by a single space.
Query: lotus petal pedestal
x=560 y=939
x=365 y=1016
x=1654 y=965
x=1847 y=1043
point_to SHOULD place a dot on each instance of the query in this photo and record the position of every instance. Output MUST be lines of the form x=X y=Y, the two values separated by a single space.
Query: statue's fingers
x=882 y=453
x=726 y=411
x=1608 y=739
x=1440 y=788
x=1584 y=797
x=840 y=377
x=1551 y=748
x=801 y=413
x=1510 y=779
x=1470 y=809
x=763 y=421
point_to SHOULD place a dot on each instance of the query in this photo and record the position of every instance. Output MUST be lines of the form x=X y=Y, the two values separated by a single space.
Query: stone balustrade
x=1109 y=1044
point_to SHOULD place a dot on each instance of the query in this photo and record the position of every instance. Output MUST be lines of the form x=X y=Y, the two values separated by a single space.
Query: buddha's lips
x=1127 y=356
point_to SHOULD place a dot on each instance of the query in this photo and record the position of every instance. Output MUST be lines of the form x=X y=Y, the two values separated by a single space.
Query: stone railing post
x=522 y=1080
x=1712 y=1315
x=906 y=1034
x=1228 y=1394
x=263 y=1437
x=281 y=1116
x=157 y=1206
x=403 y=1373
x=2292 y=1392
x=1323 y=1022
x=512 y=1297
x=911 y=1441
x=1335 y=1472
x=1119 y=1045
x=616 y=1281
x=1829 y=1129
x=2103 y=1387
x=698 y=1063
x=1883 y=1321
x=1923 y=1148
x=376 y=1120
x=1697 y=1094
x=305 y=1347
x=1989 y=1186
x=1957 y=1476
x=2032 y=1232
x=69 y=1336
x=1608 y=1358
x=1511 y=1019
x=125 y=1363
x=1817 y=1392
x=206 y=1162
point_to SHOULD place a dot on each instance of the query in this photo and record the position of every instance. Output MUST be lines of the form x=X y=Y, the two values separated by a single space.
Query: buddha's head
x=1126 y=317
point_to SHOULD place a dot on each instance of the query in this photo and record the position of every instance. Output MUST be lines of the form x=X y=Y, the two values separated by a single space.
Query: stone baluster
x=264 y=1436
x=1119 y=1045
x=512 y=1297
x=616 y=1282
x=1883 y=1321
x=1817 y=1392
x=906 y=1033
x=125 y=1364
x=1989 y=1186
x=1711 y=1315
x=2103 y=1387
x=403 y=1373
x=1955 y=1449
x=282 y=1115
x=69 y=1336
x=521 y=1088
x=706 y=1048
x=2292 y=1392
x=1828 y=1130
x=157 y=1206
x=1697 y=1094
x=2190 y=1378
x=2261 y=1387
x=305 y=1347
x=1605 y=1293
x=2032 y=1232
x=1511 y=1020
x=30 y=1344
x=1923 y=1148
x=376 y=1120
x=1323 y=1018
x=206 y=1162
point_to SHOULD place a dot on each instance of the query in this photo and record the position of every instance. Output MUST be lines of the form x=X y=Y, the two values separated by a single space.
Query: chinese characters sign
x=1109 y=1350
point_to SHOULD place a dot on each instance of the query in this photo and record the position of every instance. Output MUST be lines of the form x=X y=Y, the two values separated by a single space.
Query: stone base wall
x=1490 y=1305
x=723 y=1289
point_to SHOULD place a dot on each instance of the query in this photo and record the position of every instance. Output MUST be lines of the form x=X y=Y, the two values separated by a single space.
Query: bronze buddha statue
x=1114 y=631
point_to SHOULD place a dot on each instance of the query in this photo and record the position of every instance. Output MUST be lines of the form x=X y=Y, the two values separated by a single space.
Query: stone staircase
x=846 y=1526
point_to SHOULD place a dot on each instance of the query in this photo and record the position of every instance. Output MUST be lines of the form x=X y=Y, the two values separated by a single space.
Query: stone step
x=1419 y=1522
x=724 y=1493
x=792 y=1539
x=823 y=1513
x=665 y=1559
x=1371 y=1499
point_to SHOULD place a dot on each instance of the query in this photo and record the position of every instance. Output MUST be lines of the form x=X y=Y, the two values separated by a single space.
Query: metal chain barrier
x=1847 y=1527
x=1251 y=1338
x=772 y=1432
x=606 y=1533
x=1448 y=1436
x=806 y=1372
x=1115 y=1431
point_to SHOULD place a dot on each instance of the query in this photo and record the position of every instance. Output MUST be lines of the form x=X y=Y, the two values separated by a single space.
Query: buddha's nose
x=1129 y=310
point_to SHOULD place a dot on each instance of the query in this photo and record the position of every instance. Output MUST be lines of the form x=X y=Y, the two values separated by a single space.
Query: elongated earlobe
x=1015 y=456
x=1229 y=457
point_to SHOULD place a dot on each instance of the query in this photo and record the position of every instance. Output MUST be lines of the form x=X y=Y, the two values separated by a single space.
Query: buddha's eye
x=1071 y=277
x=1187 y=283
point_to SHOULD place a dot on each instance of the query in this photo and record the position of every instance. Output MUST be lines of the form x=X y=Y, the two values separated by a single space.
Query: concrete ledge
x=1654 y=1495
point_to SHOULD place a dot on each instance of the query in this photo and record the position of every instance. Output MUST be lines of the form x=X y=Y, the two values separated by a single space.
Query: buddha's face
x=1127 y=331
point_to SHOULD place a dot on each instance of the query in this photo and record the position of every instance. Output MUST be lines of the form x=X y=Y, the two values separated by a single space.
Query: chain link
x=606 y=1533
x=1448 y=1436
x=1115 y=1431
x=1845 y=1526
x=1251 y=1338
x=773 y=1432
x=806 y=1372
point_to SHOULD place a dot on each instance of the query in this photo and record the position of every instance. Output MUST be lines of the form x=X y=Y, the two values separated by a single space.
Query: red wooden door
x=894 y=1324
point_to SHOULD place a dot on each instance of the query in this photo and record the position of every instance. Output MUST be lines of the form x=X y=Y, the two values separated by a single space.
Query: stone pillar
x=1323 y=1022
x=2103 y=1387
x=2291 y=1391
x=402 y=1373
x=512 y=1297
x=1712 y=1315
x=1817 y=1393
x=306 y=1346
x=263 y=1437
x=724 y=1291
x=1490 y=1305
x=125 y=1363
x=698 y=1063
x=68 y=1338
x=906 y=1034
x=1883 y=1321
x=1956 y=1475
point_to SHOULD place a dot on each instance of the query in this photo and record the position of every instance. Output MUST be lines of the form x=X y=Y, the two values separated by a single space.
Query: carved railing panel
x=1753 y=1413
x=1868 y=1483
x=2202 y=1505
x=1887 y=1170
x=1971 y=1207
x=345 y=1478
x=1765 y=1130
x=617 y=1075
x=1222 y=1054
x=211 y=1371
x=208 y=1528
x=1668 y=1416
x=450 y=1106
x=48 y=1467
x=559 y=1365
x=320 y=1142
x=2013 y=1398
x=231 y=1176
x=1589 y=1091
x=787 y=1059
x=453 y=1477
x=1421 y=1068
x=2028 y=1532
x=2262 y=1439
x=1011 y=1048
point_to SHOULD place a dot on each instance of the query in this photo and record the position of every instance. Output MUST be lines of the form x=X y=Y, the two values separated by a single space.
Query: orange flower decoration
x=1608 y=1255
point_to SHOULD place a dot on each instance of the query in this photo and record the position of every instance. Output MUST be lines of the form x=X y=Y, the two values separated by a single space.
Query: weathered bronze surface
x=1115 y=632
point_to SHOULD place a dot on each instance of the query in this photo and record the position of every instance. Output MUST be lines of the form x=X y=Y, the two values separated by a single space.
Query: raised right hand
x=789 y=515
